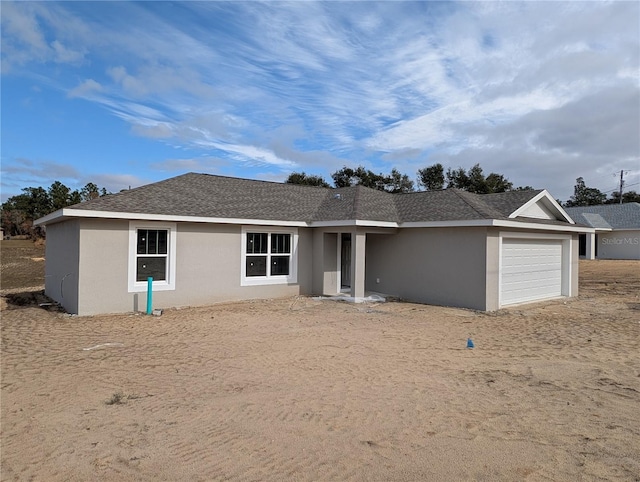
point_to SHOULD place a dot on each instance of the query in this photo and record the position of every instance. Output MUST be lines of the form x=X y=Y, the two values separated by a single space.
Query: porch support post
x=590 y=251
x=358 y=244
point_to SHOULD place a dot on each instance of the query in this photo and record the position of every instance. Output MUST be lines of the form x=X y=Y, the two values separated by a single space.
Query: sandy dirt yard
x=305 y=390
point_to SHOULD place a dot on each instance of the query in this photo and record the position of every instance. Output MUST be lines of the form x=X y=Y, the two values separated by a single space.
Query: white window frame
x=291 y=278
x=161 y=285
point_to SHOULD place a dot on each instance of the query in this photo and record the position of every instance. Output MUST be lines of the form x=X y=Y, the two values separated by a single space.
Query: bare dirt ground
x=21 y=266
x=303 y=389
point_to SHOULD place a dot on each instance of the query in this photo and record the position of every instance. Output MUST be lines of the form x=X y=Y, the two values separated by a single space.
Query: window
x=256 y=259
x=268 y=256
x=151 y=254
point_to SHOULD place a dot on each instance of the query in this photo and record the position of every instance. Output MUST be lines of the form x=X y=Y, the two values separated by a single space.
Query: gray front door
x=345 y=261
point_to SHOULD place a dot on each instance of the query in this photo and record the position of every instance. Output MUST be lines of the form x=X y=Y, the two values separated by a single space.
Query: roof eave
x=353 y=222
x=573 y=228
x=66 y=213
x=500 y=223
x=50 y=218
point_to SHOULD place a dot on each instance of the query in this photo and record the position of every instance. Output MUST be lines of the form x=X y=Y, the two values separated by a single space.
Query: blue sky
x=123 y=94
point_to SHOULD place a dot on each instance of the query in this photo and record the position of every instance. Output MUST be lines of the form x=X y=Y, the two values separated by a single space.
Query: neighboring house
x=616 y=230
x=206 y=238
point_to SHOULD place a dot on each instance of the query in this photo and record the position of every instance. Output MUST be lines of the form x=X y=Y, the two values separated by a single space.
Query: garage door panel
x=533 y=278
x=532 y=267
x=531 y=270
x=548 y=283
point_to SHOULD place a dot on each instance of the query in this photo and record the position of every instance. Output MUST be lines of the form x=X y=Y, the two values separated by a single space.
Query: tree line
x=590 y=196
x=434 y=177
x=429 y=178
x=19 y=212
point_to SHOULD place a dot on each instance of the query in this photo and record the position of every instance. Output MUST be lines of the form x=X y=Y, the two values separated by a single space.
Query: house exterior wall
x=330 y=281
x=623 y=244
x=104 y=248
x=208 y=268
x=575 y=264
x=62 y=264
x=325 y=262
x=441 y=266
x=448 y=266
x=358 y=255
x=89 y=259
x=492 y=270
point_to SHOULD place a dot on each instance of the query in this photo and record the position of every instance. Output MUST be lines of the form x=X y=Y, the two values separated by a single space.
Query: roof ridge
x=508 y=193
x=254 y=180
x=356 y=201
x=605 y=206
x=459 y=193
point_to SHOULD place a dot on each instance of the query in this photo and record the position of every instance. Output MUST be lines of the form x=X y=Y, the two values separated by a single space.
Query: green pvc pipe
x=149 y=295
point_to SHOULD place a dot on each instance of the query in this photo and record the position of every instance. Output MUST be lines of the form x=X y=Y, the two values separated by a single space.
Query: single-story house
x=206 y=238
x=616 y=230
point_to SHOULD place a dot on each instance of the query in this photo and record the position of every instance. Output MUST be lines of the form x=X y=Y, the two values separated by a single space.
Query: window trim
x=291 y=278
x=163 y=285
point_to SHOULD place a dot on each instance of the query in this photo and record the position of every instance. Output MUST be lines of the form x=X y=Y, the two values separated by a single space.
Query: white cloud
x=21 y=172
x=22 y=37
x=64 y=54
x=153 y=130
x=85 y=89
x=252 y=155
x=39 y=170
x=208 y=164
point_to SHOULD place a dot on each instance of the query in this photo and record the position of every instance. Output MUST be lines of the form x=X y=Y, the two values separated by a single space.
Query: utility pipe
x=149 y=295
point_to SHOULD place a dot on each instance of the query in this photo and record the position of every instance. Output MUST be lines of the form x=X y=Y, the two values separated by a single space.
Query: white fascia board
x=50 y=217
x=548 y=197
x=541 y=227
x=447 y=224
x=353 y=222
x=85 y=213
x=66 y=213
x=495 y=223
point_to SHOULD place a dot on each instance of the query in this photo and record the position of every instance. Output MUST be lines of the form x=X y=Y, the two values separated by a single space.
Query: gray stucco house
x=616 y=230
x=207 y=238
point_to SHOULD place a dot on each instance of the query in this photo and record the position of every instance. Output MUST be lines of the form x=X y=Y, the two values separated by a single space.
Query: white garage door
x=531 y=270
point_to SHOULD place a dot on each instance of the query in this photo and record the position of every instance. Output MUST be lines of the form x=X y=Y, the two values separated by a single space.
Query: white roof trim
x=447 y=224
x=86 y=213
x=50 y=217
x=353 y=222
x=67 y=213
x=496 y=223
x=541 y=227
x=544 y=194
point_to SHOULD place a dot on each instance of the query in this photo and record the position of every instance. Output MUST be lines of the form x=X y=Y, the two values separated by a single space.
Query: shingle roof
x=357 y=202
x=205 y=195
x=596 y=221
x=445 y=205
x=616 y=216
x=508 y=202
